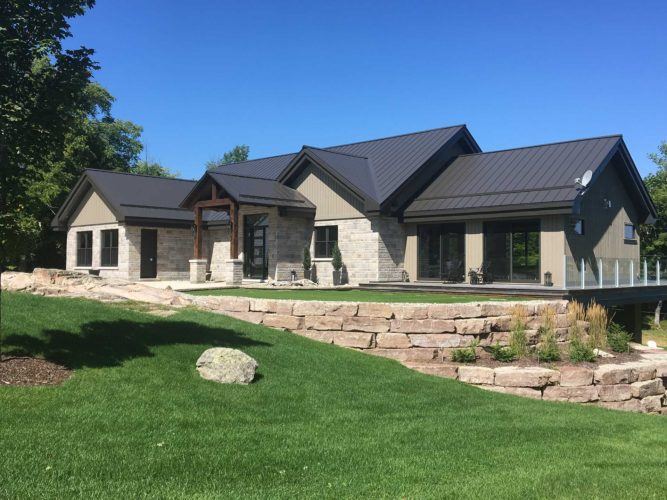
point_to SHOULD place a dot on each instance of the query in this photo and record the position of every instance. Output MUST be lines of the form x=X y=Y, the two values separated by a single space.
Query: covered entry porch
x=268 y=226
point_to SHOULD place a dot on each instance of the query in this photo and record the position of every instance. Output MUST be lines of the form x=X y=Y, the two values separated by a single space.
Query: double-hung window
x=629 y=232
x=109 y=248
x=325 y=239
x=84 y=248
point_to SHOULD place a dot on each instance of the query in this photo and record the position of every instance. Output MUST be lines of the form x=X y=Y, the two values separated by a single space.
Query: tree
x=234 y=155
x=654 y=237
x=152 y=168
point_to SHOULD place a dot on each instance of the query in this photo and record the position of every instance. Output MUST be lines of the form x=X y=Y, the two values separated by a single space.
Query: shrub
x=598 y=322
x=617 y=338
x=336 y=258
x=465 y=354
x=581 y=351
x=575 y=314
x=548 y=348
x=518 y=338
x=502 y=353
x=307 y=263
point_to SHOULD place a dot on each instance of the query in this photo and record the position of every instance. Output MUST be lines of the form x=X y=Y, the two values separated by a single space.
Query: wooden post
x=198 y=232
x=234 y=229
x=214 y=191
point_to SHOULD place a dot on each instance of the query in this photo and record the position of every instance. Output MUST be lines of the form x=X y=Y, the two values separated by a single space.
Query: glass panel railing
x=608 y=273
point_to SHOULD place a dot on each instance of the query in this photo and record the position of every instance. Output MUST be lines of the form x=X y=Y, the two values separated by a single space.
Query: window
x=84 y=248
x=629 y=232
x=578 y=227
x=110 y=248
x=325 y=239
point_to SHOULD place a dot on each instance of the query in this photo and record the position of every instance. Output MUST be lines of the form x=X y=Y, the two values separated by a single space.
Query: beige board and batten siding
x=92 y=211
x=552 y=248
x=604 y=226
x=411 y=251
x=332 y=199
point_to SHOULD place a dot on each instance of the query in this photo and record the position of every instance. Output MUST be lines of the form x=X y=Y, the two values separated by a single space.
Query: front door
x=148 y=253
x=255 y=255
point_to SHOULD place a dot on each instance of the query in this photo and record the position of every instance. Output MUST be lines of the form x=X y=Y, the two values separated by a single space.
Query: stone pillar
x=197 y=270
x=233 y=272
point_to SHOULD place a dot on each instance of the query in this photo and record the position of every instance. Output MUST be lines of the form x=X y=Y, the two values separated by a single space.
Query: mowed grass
x=354 y=295
x=136 y=420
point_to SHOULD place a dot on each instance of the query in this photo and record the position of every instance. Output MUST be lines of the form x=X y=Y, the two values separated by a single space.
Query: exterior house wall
x=92 y=211
x=120 y=271
x=411 y=248
x=216 y=248
x=552 y=245
x=474 y=244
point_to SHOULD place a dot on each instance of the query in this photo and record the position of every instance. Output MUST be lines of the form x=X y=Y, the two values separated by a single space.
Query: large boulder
x=226 y=366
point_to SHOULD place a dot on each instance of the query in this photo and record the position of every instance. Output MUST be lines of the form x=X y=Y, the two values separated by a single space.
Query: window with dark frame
x=109 y=257
x=579 y=227
x=84 y=248
x=325 y=239
x=629 y=232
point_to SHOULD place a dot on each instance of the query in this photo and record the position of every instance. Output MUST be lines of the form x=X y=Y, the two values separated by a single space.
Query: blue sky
x=203 y=76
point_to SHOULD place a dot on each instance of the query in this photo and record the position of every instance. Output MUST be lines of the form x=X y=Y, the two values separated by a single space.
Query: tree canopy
x=236 y=154
x=55 y=121
x=654 y=237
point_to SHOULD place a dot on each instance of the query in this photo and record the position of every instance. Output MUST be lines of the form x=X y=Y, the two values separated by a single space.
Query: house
x=423 y=206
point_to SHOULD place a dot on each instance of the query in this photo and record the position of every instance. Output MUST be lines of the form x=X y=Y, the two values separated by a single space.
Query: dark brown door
x=148 y=253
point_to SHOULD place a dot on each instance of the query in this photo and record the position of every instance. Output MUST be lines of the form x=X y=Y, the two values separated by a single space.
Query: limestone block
x=615 y=374
x=524 y=392
x=365 y=324
x=360 y=340
x=511 y=376
x=406 y=355
x=323 y=322
x=651 y=404
x=573 y=376
x=325 y=337
x=629 y=405
x=452 y=311
x=234 y=304
x=585 y=394
x=647 y=388
x=475 y=326
x=436 y=340
x=409 y=311
x=620 y=392
x=249 y=316
x=505 y=308
x=392 y=341
x=501 y=323
x=271 y=306
x=341 y=308
x=436 y=369
x=422 y=325
x=375 y=310
x=476 y=375
x=309 y=308
x=283 y=321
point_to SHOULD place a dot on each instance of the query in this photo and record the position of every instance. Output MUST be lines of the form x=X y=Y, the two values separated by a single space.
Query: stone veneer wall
x=120 y=271
x=422 y=336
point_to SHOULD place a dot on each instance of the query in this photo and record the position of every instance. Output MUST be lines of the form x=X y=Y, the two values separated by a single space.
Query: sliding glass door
x=441 y=252
x=512 y=250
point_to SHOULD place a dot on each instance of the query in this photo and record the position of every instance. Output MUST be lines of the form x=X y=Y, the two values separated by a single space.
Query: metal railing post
x=564 y=271
x=616 y=274
x=632 y=272
x=645 y=273
x=600 y=273
x=583 y=273
x=657 y=272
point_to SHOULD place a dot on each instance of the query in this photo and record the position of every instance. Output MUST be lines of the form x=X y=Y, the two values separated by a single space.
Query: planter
x=336 y=278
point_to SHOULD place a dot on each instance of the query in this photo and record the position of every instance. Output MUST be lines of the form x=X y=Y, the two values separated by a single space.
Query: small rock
x=226 y=366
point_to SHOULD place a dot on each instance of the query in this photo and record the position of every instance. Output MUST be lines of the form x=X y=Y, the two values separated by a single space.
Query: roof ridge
x=243 y=176
x=336 y=152
x=397 y=135
x=139 y=175
x=254 y=159
x=544 y=144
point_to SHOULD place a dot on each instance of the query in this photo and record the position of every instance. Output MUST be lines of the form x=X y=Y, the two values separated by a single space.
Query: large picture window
x=84 y=248
x=512 y=250
x=110 y=248
x=325 y=239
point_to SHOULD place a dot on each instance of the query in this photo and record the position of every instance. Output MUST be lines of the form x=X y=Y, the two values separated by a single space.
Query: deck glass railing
x=610 y=273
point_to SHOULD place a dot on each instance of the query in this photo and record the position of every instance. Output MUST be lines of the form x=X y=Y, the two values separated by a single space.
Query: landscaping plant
x=336 y=258
x=501 y=353
x=617 y=338
x=580 y=350
x=548 y=347
x=465 y=354
x=307 y=263
x=598 y=322
x=518 y=338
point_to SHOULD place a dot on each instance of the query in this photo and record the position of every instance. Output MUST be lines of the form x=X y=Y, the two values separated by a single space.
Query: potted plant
x=336 y=263
x=307 y=264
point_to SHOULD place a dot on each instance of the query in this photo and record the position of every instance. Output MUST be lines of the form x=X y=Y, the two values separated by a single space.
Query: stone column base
x=197 y=270
x=233 y=272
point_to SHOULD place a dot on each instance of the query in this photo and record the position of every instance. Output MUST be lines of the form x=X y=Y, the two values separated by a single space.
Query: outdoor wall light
x=548 y=279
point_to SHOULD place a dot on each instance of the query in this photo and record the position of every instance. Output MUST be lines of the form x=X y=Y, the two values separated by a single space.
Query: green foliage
x=518 y=340
x=307 y=263
x=618 y=339
x=336 y=258
x=236 y=154
x=502 y=353
x=152 y=168
x=581 y=351
x=654 y=236
x=465 y=354
x=548 y=348
x=54 y=122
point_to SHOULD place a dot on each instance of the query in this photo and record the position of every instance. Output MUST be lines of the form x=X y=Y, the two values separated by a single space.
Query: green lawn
x=355 y=295
x=136 y=420
x=652 y=332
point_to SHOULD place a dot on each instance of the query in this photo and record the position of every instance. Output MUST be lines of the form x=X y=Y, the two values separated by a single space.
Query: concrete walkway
x=184 y=286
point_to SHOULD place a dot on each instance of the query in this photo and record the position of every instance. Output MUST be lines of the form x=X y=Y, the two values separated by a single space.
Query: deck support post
x=583 y=273
x=198 y=233
x=600 y=277
x=657 y=272
x=234 y=231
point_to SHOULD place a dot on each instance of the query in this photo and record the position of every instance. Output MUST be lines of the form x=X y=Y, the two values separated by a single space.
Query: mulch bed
x=486 y=360
x=25 y=371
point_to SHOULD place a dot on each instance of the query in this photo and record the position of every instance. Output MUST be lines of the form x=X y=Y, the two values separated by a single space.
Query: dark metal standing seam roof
x=390 y=161
x=516 y=177
x=257 y=191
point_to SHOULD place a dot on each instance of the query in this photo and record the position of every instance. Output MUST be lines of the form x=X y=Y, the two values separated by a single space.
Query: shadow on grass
x=110 y=343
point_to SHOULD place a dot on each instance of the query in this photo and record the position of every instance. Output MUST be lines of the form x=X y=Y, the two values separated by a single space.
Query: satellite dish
x=585 y=180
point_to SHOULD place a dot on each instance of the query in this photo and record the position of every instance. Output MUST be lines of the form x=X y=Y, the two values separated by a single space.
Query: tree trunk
x=656 y=318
